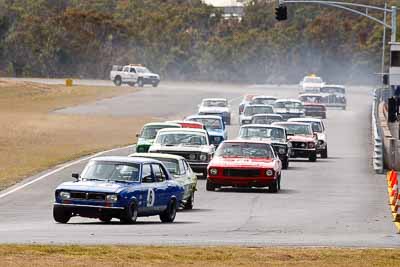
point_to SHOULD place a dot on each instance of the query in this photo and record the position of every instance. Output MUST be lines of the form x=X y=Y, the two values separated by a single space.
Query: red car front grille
x=241 y=172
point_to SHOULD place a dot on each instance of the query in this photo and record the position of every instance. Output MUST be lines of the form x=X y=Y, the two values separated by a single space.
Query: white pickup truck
x=132 y=75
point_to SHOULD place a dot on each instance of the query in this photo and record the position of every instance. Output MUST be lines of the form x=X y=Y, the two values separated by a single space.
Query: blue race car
x=215 y=127
x=119 y=187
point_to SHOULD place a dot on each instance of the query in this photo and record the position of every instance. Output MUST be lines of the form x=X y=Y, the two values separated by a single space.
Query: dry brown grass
x=33 y=139
x=11 y=255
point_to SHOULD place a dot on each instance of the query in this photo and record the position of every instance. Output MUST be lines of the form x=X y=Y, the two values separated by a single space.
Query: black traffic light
x=281 y=12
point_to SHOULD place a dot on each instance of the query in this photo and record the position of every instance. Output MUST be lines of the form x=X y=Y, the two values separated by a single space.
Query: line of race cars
x=160 y=176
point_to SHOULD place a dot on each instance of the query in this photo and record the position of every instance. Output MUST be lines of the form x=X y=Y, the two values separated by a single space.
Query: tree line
x=186 y=40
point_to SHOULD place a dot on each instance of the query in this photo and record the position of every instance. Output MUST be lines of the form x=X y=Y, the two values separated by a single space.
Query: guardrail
x=377 y=157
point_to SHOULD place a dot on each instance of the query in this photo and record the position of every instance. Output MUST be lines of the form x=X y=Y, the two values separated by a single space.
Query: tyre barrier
x=394 y=197
x=377 y=157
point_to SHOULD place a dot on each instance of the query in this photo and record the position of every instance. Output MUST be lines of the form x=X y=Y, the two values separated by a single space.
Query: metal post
x=384 y=42
x=394 y=23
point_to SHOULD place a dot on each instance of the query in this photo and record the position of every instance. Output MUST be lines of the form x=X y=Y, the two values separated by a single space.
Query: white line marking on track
x=59 y=169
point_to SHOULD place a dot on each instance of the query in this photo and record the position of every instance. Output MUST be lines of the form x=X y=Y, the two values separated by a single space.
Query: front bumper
x=198 y=167
x=302 y=153
x=242 y=181
x=151 y=81
x=91 y=211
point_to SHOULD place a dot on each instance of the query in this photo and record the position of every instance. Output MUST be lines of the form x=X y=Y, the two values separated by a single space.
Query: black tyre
x=204 y=174
x=105 y=218
x=189 y=204
x=130 y=215
x=118 y=81
x=274 y=187
x=61 y=215
x=210 y=186
x=140 y=82
x=313 y=157
x=285 y=164
x=324 y=153
x=169 y=214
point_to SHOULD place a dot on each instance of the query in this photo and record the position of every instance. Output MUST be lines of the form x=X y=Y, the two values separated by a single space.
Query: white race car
x=216 y=106
x=311 y=84
x=251 y=110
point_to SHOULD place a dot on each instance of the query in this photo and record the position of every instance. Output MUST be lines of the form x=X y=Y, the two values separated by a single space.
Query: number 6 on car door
x=151 y=196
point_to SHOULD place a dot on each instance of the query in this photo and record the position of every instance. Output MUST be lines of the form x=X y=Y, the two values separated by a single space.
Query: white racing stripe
x=59 y=169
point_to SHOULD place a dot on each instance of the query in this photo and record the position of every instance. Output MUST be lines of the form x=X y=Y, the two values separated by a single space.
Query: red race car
x=244 y=163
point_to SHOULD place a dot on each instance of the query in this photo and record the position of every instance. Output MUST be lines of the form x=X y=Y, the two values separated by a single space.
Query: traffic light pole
x=352 y=8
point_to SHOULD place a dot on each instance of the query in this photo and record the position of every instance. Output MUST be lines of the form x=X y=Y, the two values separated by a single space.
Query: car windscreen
x=244 y=150
x=311 y=99
x=261 y=132
x=209 y=123
x=215 y=103
x=289 y=105
x=111 y=171
x=312 y=80
x=315 y=125
x=297 y=129
x=171 y=164
x=189 y=139
x=150 y=132
x=142 y=70
x=332 y=90
x=252 y=110
x=264 y=101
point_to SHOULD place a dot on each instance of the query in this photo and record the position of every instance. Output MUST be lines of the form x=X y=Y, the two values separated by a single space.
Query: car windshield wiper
x=121 y=181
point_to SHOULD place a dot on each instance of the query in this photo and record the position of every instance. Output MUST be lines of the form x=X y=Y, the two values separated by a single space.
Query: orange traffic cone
x=393 y=181
x=389 y=175
x=393 y=175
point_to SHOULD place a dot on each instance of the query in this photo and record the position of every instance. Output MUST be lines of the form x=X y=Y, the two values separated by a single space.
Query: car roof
x=262 y=126
x=268 y=115
x=290 y=123
x=215 y=99
x=288 y=100
x=259 y=105
x=156 y=155
x=162 y=124
x=304 y=119
x=193 y=130
x=264 y=96
x=334 y=85
x=204 y=117
x=125 y=159
x=307 y=94
x=245 y=141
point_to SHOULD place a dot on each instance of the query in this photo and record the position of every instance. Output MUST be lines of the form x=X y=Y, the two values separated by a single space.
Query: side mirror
x=137 y=135
x=76 y=176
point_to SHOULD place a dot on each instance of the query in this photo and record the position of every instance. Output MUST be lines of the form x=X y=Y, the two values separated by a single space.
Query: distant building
x=232 y=8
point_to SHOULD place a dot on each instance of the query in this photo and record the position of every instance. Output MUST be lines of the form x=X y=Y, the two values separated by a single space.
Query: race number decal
x=151 y=197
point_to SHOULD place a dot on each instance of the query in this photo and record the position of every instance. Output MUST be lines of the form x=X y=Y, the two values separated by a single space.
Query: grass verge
x=33 y=139
x=19 y=255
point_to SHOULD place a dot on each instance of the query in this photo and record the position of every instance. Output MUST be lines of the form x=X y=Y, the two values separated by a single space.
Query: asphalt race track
x=334 y=202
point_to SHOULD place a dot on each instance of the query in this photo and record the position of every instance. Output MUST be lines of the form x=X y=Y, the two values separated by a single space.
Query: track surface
x=333 y=202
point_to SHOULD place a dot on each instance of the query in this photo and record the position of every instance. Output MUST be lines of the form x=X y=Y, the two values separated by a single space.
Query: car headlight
x=311 y=145
x=213 y=171
x=303 y=145
x=203 y=157
x=65 y=195
x=217 y=138
x=192 y=156
x=282 y=150
x=112 y=198
x=269 y=172
x=246 y=122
